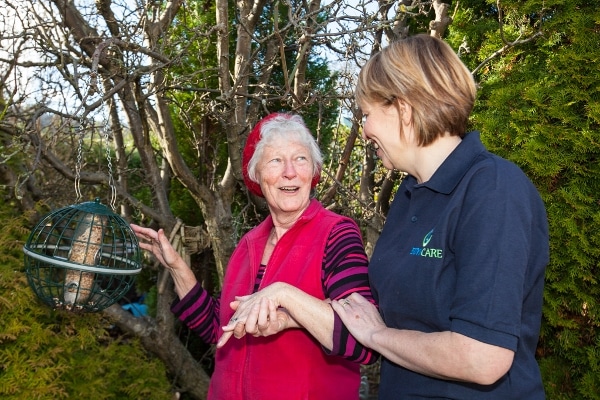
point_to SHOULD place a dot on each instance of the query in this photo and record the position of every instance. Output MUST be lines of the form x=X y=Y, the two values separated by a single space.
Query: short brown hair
x=424 y=72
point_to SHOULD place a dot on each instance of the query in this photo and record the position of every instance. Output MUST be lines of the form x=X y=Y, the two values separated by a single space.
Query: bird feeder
x=82 y=258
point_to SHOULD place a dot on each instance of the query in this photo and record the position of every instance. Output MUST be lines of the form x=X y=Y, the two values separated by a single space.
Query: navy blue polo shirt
x=465 y=252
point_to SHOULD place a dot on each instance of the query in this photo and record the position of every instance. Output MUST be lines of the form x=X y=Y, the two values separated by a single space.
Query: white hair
x=288 y=127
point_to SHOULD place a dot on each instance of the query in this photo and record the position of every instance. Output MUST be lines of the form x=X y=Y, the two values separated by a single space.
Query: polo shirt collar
x=447 y=176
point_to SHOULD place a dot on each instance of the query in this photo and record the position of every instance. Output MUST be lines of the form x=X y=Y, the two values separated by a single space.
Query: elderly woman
x=458 y=270
x=289 y=342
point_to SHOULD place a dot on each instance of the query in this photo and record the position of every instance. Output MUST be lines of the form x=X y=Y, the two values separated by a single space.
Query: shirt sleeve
x=200 y=312
x=499 y=278
x=344 y=272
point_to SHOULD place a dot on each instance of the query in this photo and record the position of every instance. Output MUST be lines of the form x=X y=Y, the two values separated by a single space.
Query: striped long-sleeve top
x=344 y=272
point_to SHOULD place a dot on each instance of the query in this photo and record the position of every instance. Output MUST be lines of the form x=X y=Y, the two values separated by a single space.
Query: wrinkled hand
x=360 y=316
x=157 y=243
x=258 y=314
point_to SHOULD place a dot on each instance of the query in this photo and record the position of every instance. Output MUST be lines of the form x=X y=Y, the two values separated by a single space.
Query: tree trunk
x=157 y=336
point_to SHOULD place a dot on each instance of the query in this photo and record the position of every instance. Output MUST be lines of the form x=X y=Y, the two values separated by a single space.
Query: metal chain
x=95 y=87
x=111 y=180
x=81 y=129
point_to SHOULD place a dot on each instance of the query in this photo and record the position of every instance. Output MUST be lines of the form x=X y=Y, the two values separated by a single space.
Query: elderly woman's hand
x=258 y=314
x=158 y=244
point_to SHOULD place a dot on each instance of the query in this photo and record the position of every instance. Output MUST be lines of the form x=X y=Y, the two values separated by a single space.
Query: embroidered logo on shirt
x=426 y=251
x=427 y=238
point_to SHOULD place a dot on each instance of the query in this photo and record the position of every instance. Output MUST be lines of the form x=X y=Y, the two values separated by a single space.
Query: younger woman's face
x=382 y=126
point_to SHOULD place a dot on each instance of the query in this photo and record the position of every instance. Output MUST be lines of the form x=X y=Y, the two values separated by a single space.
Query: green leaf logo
x=427 y=238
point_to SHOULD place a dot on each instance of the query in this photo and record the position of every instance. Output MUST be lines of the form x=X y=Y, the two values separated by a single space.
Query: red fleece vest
x=290 y=365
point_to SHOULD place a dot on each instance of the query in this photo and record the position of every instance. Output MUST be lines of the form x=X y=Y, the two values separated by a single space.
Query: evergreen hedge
x=47 y=354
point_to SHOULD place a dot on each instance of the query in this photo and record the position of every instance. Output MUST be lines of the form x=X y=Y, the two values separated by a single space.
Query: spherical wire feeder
x=82 y=257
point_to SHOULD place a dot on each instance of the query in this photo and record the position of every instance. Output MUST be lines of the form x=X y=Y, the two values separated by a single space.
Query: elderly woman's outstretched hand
x=159 y=245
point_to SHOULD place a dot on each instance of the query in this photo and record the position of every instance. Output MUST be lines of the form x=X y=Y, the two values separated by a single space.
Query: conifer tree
x=539 y=106
x=46 y=354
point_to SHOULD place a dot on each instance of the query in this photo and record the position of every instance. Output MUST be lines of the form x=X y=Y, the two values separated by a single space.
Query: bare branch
x=508 y=44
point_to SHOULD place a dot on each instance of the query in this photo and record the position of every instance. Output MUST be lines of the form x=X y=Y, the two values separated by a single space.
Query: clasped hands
x=258 y=314
x=264 y=313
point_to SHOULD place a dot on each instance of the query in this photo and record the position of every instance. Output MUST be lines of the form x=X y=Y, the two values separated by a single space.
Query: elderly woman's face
x=285 y=172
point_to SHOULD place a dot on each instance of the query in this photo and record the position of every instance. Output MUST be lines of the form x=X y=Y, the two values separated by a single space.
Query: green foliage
x=539 y=107
x=46 y=354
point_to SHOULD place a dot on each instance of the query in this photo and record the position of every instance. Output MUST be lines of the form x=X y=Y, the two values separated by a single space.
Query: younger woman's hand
x=360 y=316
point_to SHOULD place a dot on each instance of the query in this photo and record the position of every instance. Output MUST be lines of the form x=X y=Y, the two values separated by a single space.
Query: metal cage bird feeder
x=82 y=258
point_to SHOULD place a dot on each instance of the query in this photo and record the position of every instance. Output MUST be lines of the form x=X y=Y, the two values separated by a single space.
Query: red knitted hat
x=251 y=142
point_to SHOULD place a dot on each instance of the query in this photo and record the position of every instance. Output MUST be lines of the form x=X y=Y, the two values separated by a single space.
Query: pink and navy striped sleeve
x=199 y=311
x=344 y=272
